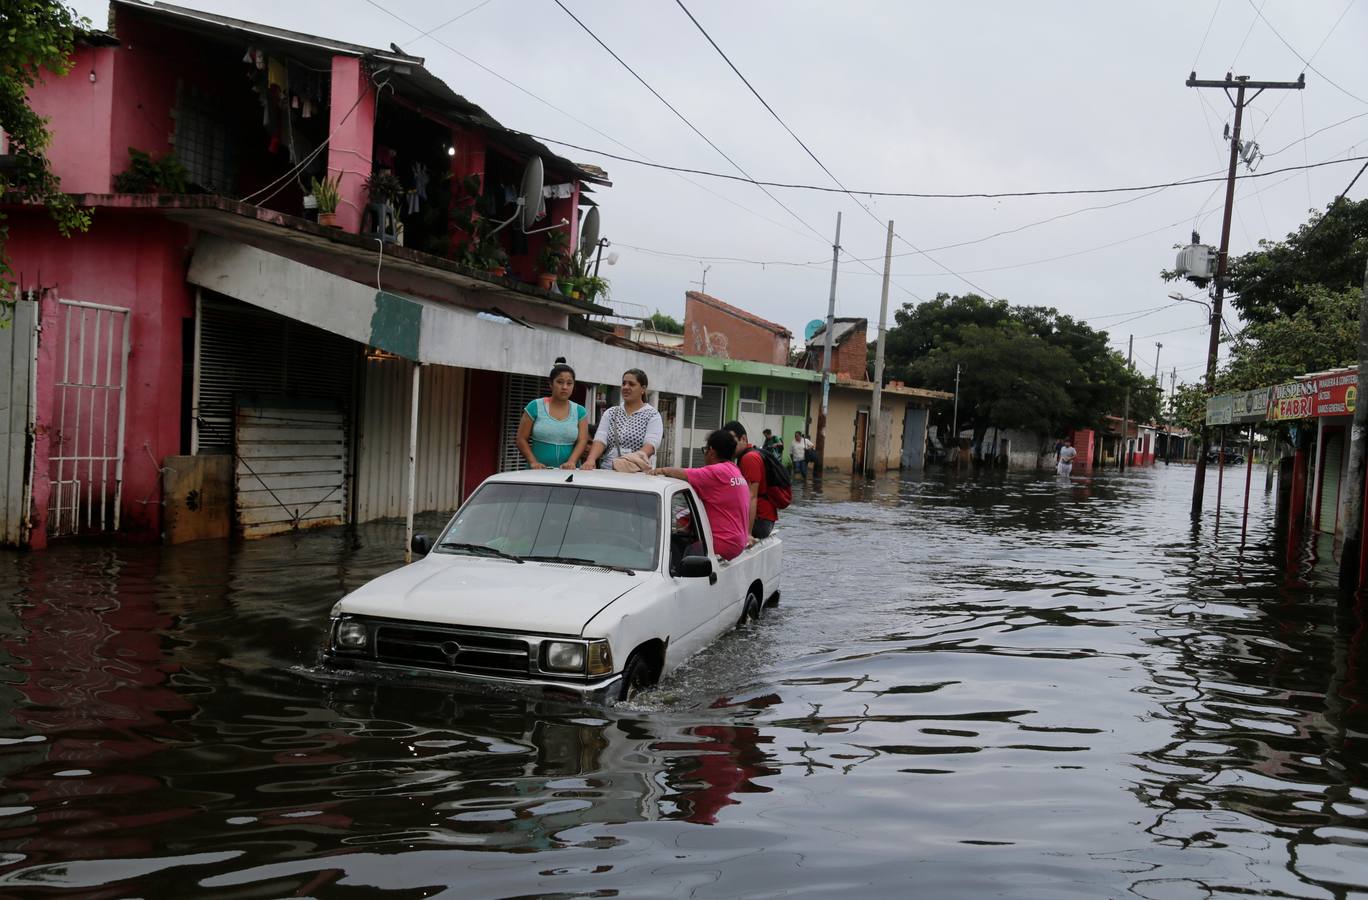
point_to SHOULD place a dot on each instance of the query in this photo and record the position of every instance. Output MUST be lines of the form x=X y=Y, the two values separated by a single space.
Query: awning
x=419 y=329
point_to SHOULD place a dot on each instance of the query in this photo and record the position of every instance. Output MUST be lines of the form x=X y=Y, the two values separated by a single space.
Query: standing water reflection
x=1017 y=684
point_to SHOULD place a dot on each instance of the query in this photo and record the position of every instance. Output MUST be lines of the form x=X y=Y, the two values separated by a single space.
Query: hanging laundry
x=420 y=180
x=411 y=204
x=558 y=191
x=277 y=76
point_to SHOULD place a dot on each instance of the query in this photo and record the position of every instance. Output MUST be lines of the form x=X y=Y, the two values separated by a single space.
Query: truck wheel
x=751 y=611
x=636 y=678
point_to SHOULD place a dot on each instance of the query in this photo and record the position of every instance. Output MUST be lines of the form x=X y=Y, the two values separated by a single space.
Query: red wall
x=78 y=112
x=128 y=259
x=709 y=331
x=851 y=358
x=484 y=393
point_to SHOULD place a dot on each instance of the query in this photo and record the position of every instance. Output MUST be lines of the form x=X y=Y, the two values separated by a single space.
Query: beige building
x=902 y=424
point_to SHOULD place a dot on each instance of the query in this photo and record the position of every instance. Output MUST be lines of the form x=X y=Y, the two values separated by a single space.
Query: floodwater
x=997 y=685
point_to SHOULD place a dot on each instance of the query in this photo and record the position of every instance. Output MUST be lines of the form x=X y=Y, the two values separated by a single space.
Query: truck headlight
x=565 y=656
x=351 y=635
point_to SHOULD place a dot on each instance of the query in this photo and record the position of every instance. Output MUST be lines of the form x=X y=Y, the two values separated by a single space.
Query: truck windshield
x=611 y=528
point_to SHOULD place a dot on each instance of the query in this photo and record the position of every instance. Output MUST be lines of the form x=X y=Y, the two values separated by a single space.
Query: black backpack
x=778 y=485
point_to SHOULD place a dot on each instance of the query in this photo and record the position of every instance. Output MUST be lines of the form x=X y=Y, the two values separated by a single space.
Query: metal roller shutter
x=1330 y=482
x=244 y=351
x=519 y=390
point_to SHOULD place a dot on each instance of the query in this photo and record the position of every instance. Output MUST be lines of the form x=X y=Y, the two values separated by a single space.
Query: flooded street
x=998 y=685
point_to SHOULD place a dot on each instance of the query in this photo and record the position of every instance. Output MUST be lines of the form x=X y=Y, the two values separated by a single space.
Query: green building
x=758 y=395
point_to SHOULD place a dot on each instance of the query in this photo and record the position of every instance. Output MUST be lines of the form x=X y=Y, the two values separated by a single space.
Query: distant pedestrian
x=798 y=452
x=1066 y=458
x=773 y=445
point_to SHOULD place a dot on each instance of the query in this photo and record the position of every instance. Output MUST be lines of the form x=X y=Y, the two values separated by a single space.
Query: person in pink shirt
x=722 y=488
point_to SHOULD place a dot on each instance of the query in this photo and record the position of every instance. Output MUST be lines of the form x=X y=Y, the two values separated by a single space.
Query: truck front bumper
x=601 y=690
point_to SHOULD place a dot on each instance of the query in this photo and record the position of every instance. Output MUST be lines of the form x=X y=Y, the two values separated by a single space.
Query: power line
x=710 y=143
x=1306 y=62
x=968 y=195
x=809 y=152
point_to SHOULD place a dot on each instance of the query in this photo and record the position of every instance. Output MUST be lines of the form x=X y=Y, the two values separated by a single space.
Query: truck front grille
x=451 y=650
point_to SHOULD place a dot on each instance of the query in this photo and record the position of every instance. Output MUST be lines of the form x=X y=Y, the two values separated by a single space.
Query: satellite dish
x=812 y=328
x=534 y=175
x=589 y=232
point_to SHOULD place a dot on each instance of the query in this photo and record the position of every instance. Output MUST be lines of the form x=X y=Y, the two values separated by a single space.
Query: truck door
x=694 y=601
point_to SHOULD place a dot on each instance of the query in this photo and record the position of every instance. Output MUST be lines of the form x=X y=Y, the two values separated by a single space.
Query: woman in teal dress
x=553 y=431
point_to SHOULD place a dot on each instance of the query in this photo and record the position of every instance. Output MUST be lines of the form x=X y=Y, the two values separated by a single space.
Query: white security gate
x=18 y=344
x=519 y=390
x=751 y=413
x=702 y=416
x=290 y=467
x=86 y=463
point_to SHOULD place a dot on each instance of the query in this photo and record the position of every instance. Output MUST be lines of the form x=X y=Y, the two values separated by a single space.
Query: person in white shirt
x=798 y=451
x=1066 y=458
x=629 y=433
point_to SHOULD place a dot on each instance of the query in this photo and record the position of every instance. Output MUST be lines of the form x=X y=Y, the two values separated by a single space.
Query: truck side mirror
x=422 y=544
x=695 y=567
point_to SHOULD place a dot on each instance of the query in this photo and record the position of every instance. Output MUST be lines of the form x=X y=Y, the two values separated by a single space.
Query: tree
x=36 y=38
x=1021 y=367
x=664 y=323
x=1321 y=333
x=1330 y=250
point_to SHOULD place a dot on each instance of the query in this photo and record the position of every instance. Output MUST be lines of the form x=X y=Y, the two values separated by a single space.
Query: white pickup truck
x=594 y=584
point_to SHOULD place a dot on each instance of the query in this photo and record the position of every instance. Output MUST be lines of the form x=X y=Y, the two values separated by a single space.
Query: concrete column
x=351 y=122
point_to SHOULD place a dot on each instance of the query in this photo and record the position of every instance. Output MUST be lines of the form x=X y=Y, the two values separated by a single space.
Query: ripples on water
x=1010 y=686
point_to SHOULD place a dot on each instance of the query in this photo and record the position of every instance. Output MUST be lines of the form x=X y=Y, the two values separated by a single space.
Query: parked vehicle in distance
x=589 y=584
x=1232 y=457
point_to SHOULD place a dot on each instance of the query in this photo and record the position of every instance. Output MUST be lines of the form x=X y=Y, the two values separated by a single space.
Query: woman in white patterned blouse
x=629 y=433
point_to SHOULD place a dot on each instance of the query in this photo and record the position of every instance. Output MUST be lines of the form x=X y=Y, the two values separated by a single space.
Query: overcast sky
x=906 y=96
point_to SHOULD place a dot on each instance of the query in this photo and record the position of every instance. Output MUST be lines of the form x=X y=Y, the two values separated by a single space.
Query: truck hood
x=475 y=592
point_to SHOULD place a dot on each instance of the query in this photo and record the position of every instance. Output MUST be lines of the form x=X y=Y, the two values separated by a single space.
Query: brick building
x=722 y=331
x=849 y=349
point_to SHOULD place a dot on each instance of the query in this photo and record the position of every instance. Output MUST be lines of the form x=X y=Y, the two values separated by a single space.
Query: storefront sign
x=1336 y=395
x=1250 y=406
x=1220 y=409
x=1296 y=400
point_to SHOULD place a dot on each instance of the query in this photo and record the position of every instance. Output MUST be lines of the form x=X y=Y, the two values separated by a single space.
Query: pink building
x=210 y=358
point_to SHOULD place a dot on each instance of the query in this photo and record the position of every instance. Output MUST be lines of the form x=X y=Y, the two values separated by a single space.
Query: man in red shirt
x=763 y=515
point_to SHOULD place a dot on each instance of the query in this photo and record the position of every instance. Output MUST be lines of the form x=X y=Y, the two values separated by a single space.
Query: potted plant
x=553 y=260
x=325 y=192
x=384 y=187
x=495 y=257
x=592 y=286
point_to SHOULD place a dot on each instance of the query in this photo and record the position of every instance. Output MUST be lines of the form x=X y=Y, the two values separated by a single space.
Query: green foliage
x=385 y=187
x=146 y=175
x=666 y=324
x=36 y=40
x=1321 y=334
x=554 y=258
x=1330 y=250
x=326 y=192
x=1189 y=407
x=1020 y=367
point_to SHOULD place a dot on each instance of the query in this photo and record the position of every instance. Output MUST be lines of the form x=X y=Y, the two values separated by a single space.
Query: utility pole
x=1125 y=409
x=1173 y=391
x=1353 y=497
x=954 y=419
x=877 y=404
x=826 y=356
x=1240 y=84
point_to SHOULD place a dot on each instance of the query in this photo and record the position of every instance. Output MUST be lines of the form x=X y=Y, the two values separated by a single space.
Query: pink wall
x=128 y=259
x=351 y=122
x=78 y=112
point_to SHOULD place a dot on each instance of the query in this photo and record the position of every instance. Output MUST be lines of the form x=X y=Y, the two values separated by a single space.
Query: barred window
x=202 y=140
x=785 y=403
x=750 y=392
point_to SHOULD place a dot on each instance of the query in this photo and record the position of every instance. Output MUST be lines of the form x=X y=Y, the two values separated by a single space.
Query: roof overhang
x=276 y=231
x=418 y=329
